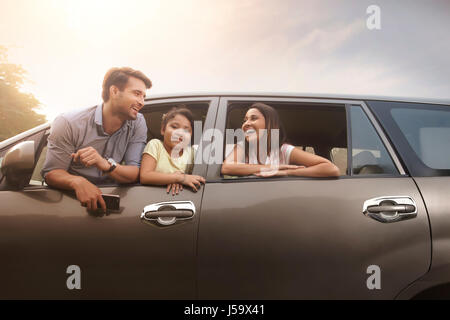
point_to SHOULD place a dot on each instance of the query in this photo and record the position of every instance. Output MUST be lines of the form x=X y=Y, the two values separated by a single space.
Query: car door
x=299 y=237
x=422 y=133
x=47 y=238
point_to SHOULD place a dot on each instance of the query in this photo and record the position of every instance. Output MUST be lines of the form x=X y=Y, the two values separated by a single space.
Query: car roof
x=333 y=96
x=445 y=101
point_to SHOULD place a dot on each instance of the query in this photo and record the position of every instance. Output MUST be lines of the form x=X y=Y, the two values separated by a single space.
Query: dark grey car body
x=249 y=238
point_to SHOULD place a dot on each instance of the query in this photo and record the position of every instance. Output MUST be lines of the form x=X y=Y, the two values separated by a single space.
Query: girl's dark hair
x=273 y=121
x=172 y=113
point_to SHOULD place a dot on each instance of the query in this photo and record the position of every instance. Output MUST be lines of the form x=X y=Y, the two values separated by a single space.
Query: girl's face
x=253 y=122
x=177 y=130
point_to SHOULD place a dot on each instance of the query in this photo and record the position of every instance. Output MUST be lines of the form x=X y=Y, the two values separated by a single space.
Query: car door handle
x=403 y=208
x=390 y=208
x=167 y=213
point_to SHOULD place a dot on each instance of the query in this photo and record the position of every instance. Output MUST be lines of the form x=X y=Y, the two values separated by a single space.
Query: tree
x=17 y=109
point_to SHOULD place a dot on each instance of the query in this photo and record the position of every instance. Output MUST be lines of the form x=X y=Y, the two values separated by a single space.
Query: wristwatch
x=113 y=164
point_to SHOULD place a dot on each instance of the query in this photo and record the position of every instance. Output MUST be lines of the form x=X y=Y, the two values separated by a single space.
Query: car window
x=428 y=134
x=339 y=157
x=36 y=178
x=39 y=139
x=369 y=155
x=153 y=115
x=314 y=128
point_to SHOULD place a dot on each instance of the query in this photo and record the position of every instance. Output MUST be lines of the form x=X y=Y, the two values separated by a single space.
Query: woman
x=261 y=124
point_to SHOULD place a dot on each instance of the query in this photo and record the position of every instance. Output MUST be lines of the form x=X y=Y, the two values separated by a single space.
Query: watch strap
x=113 y=165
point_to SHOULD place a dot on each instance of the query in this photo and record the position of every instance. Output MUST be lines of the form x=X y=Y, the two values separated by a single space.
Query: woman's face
x=177 y=130
x=254 y=121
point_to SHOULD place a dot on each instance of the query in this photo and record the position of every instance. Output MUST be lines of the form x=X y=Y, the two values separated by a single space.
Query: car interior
x=318 y=129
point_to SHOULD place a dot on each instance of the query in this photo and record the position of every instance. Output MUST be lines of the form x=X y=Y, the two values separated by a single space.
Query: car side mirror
x=17 y=165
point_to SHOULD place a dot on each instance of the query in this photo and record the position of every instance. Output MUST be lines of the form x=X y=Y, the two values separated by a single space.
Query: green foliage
x=17 y=109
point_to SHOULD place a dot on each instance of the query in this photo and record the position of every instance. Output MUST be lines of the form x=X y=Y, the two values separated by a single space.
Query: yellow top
x=167 y=164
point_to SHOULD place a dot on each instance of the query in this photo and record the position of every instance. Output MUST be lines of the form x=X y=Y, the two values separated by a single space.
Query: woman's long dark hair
x=272 y=122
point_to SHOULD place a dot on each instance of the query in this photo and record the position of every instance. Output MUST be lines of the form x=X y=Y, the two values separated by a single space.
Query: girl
x=170 y=161
x=252 y=158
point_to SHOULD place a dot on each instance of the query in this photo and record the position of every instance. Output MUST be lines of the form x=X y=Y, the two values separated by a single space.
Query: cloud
x=252 y=45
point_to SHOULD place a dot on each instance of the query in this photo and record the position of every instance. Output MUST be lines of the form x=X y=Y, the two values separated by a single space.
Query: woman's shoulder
x=286 y=150
x=286 y=147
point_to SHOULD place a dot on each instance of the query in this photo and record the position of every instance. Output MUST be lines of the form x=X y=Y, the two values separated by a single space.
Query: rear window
x=420 y=133
x=428 y=134
x=312 y=127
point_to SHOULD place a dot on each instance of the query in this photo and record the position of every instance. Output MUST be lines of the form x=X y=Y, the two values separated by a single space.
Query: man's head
x=124 y=89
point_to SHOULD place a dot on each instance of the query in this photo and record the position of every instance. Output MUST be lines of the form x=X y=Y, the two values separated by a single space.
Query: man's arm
x=127 y=173
x=87 y=193
x=122 y=173
x=57 y=162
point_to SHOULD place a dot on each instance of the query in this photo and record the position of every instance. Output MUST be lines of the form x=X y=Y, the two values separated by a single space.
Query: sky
x=321 y=46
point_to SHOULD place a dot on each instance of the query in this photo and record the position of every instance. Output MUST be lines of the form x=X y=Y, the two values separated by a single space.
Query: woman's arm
x=316 y=166
x=234 y=165
x=148 y=174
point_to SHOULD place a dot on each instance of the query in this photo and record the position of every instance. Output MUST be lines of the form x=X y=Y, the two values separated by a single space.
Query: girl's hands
x=189 y=180
x=193 y=181
x=175 y=187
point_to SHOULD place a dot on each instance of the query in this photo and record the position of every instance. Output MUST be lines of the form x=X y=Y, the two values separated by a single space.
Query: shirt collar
x=98 y=118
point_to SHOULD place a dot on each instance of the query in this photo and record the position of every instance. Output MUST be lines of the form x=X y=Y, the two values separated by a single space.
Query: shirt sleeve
x=287 y=149
x=136 y=145
x=153 y=148
x=60 y=146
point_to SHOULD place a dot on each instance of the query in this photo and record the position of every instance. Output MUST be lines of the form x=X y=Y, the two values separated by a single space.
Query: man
x=87 y=146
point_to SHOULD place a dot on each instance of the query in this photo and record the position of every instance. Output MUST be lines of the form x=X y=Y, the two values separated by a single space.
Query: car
x=381 y=230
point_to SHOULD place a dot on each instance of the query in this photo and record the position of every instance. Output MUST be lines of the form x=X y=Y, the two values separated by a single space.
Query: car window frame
x=384 y=140
x=213 y=174
x=199 y=169
x=382 y=112
x=210 y=121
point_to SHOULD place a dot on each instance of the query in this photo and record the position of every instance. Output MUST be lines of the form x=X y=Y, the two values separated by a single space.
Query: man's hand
x=88 y=194
x=90 y=157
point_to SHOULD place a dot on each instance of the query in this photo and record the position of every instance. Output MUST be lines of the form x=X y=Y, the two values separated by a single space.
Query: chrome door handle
x=390 y=209
x=167 y=213
x=404 y=208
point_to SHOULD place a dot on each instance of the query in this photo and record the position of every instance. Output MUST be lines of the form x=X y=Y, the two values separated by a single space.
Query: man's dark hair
x=119 y=77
